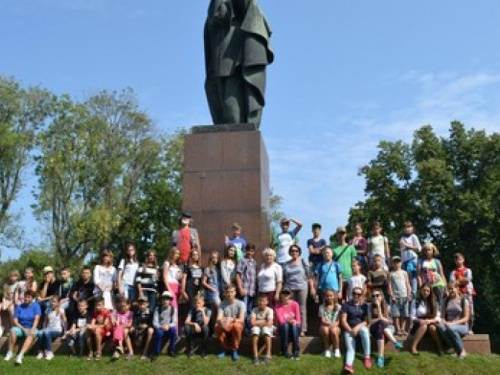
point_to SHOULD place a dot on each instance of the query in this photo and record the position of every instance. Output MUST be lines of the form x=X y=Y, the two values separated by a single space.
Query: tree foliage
x=449 y=187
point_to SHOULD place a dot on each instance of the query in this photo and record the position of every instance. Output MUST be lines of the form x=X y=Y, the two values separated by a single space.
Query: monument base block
x=226 y=180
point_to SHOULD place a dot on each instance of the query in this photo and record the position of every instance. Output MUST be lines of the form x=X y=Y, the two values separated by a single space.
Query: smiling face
x=328 y=254
x=294 y=252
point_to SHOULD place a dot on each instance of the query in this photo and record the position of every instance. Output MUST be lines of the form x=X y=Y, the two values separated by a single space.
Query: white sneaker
x=328 y=353
x=8 y=356
x=19 y=359
x=1 y=331
x=40 y=355
x=49 y=356
x=337 y=353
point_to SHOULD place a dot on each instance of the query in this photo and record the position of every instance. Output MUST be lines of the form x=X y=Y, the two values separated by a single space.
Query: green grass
x=399 y=363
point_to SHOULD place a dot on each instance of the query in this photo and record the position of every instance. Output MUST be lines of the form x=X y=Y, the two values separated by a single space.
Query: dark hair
x=250 y=246
x=87 y=268
x=30 y=293
x=430 y=301
x=99 y=299
x=316 y=225
x=296 y=246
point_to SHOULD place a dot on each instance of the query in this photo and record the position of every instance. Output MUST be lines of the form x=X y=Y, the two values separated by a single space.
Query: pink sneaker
x=349 y=369
x=367 y=362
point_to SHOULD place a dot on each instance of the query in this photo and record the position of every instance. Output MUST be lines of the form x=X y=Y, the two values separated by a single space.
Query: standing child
x=105 y=278
x=236 y=240
x=54 y=325
x=196 y=325
x=329 y=329
x=246 y=281
x=430 y=271
x=378 y=244
x=122 y=323
x=192 y=278
x=143 y=326
x=212 y=285
x=127 y=270
x=148 y=276
x=400 y=292
x=172 y=275
x=316 y=245
x=261 y=321
x=357 y=280
x=463 y=276
x=378 y=277
x=8 y=299
x=165 y=325
x=328 y=275
x=360 y=244
x=410 y=248
x=98 y=329
x=228 y=267
x=83 y=289
x=78 y=330
x=65 y=285
x=29 y=283
x=288 y=318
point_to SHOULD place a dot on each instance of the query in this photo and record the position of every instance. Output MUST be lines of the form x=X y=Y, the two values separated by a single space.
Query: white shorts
x=264 y=331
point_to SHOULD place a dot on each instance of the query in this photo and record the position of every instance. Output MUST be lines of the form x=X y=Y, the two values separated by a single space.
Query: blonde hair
x=430 y=245
x=269 y=251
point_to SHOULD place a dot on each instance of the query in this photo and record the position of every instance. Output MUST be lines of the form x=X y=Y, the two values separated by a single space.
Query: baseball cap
x=167 y=294
x=341 y=230
x=142 y=299
x=47 y=269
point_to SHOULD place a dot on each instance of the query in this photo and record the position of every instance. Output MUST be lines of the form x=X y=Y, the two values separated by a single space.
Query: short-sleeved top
x=247 y=269
x=124 y=318
x=328 y=275
x=129 y=270
x=194 y=276
x=378 y=278
x=143 y=317
x=148 y=277
x=461 y=273
x=84 y=290
x=240 y=244
x=430 y=272
x=285 y=240
x=356 y=281
x=100 y=317
x=65 y=288
x=378 y=245
x=295 y=275
x=316 y=258
x=26 y=314
x=455 y=309
x=185 y=242
x=359 y=243
x=407 y=254
x=356 y=314
x=52 y=288
x=266 y=315
x=231 y=310
x=347 y=254
x=105 y=276
x=55 y=320
x=81 y=320
x=197 y=316
x=329 y=313
x=268 y=277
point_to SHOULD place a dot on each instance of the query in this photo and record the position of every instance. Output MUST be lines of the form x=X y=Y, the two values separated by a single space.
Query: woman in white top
x=105 y=278
x=127 y=270
x=270 y=277
x=228 y=267
x=172 y=275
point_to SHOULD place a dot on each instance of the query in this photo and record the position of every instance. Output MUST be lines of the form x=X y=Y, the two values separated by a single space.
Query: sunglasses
x=357 y=294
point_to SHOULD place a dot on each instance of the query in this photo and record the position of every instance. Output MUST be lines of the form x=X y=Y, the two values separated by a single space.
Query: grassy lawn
x=401 y=363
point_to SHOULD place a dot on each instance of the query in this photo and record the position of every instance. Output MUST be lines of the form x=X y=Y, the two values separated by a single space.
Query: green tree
x=450 y=189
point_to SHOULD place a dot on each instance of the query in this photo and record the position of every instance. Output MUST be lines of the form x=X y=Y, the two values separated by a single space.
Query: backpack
x=192 y=231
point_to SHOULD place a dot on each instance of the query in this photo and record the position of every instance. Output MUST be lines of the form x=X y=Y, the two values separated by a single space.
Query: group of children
x=120 y=305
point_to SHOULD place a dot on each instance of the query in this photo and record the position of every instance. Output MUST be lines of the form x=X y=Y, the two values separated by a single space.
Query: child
x=127 y=270
x=8 y=299
x=212 y=284
x=48 y=288
x=98 y=329
x=83 y=289
x=237 y=241
x=165 y=325
x=410 y=248
x=192 y=277
x=463 y=276
x=196 y=325
x=380 y=325
x=329 y=329
x=357 y=280
x=122 y=322
x=360 y=244
x=378 y=245
x=78 y=329
x=328 y=275
x=29 y=283
x=143 y=326
x=316 y=245
x=172 y=275
x=430 y=271
x=282 y=241
x=65 y=285
x=105 y=278
x=400 y=292
x=288 y=318
x=228 y=266
x=378 y=277
x=246 y=281
x=148 y=276
x=261 y=321
x=54 y=325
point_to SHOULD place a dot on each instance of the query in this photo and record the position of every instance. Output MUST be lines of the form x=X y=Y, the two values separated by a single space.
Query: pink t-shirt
x=285 y=313
x=124 y=319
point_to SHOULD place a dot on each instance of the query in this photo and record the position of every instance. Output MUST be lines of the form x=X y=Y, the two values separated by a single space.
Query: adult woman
x=127 y=270
x=430 y=271
x=296 y=277
x=270 y=277
x=425 y=317
x=148 y=275
x=455 y=318
x=354 y=321
x=172 y=275
x=192 y=278
x=105 y=278
x=26 y=319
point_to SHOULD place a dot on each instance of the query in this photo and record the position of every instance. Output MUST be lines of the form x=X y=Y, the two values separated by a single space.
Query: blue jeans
x=46 y=336
x=79 y=336
x=170 y=335
x=289 y=332
x=151 y=296
x=452 y=335
x=350 y=344
x=130 y=293
x=249 y=304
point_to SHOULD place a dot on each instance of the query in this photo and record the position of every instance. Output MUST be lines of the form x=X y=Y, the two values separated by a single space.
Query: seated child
x=98 y=329
x=8 y=303
x=288 y=317
x=122 y=322
x=329 y=329
x=143 y=326
x=165 y=325
x=53 y=327
x=261 y=321
x=78 y=329
x=197 y=325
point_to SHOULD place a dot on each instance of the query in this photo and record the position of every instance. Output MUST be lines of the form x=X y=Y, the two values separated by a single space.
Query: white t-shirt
x=129 y=272
x=356 y=281
x=54 y=320
x=174 y=272
x=378 y=245
x=268 y=277
x=105 y=276
x=285 y=241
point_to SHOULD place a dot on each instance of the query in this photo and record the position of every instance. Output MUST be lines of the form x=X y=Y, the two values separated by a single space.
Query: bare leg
x=27 y=343
x=255 y=344
x=380 y=347
x=149 y=336
x=323 y=332
x=389 y=335
x=12 y=340
x=417 y=337
x=397 y=324
x=128 y=342
x=268 y=340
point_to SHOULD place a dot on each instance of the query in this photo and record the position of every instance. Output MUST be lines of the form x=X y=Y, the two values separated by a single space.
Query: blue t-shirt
x=328 y=274
x=26 y=314
x=240 y=244
x=316 y=258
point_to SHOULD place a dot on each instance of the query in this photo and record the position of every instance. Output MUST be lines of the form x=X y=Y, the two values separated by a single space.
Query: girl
x=105 y=278
x=270 y=277
x=381 y=326
x=98 y=329
x=455 y=319
x=172 y=275
x=425 y=317
x=8 y=300
x=212 y=285
x=122 y=322
x=329 y=329
x=54 y=325
x=228 y=266
x=127 y=270
x=378 y=244
x=288 y=318
x=360 y=244
x=29 y=283
x=148 y=275
x=192 y=278
x=357 y=280
x=430 y=271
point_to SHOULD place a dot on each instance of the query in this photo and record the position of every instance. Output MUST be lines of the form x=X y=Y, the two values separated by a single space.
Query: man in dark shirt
x=48 y=288
x=83 y=289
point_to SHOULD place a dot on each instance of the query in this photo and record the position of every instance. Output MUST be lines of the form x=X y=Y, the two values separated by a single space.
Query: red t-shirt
x=184 y=243
x=102 y=317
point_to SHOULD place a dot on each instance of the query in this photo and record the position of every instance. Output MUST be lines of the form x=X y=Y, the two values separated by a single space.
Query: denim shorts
x=399 y=308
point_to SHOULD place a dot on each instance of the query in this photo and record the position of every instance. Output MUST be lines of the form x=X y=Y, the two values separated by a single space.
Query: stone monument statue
x=237 y=51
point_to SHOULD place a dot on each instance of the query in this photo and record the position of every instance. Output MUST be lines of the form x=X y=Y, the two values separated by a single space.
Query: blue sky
x=347 y=74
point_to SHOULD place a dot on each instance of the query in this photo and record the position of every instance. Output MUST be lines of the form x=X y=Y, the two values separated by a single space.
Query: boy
x=261 y=320
x=246 y=281
x=78 y=328
x=283 y=240
x=196 y=325
x=400 y=292
x=65 y=287
x=328 y=275
x=410 y=248
x=48 y=288
x=463 y=276
x=98 y=329
x=378 y=277
x=143 y=326
x=236 y=240
x=316 y=245
x=229 y=325
x=82 y=289
x=165 y=325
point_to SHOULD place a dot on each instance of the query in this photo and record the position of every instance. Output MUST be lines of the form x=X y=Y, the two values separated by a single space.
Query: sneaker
x=398 y=345
x=8 y=356
x=234 y=355
x=172 y=354
x=296 y=358
x=337 y=353
x=49 y=356
x=40 y=355
x=287 y=356
x=380 y=361
x=119 y=349
x=98 y=356
x=19 y=360
x=144 y=357
x=90 y=356
x=367 y=362
x=129 y=356
x=266 y=361
x=221 y=355
x=328 y=353
x=349 y=369
x=115 y=356
x=1 y=331
x=256 y=361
